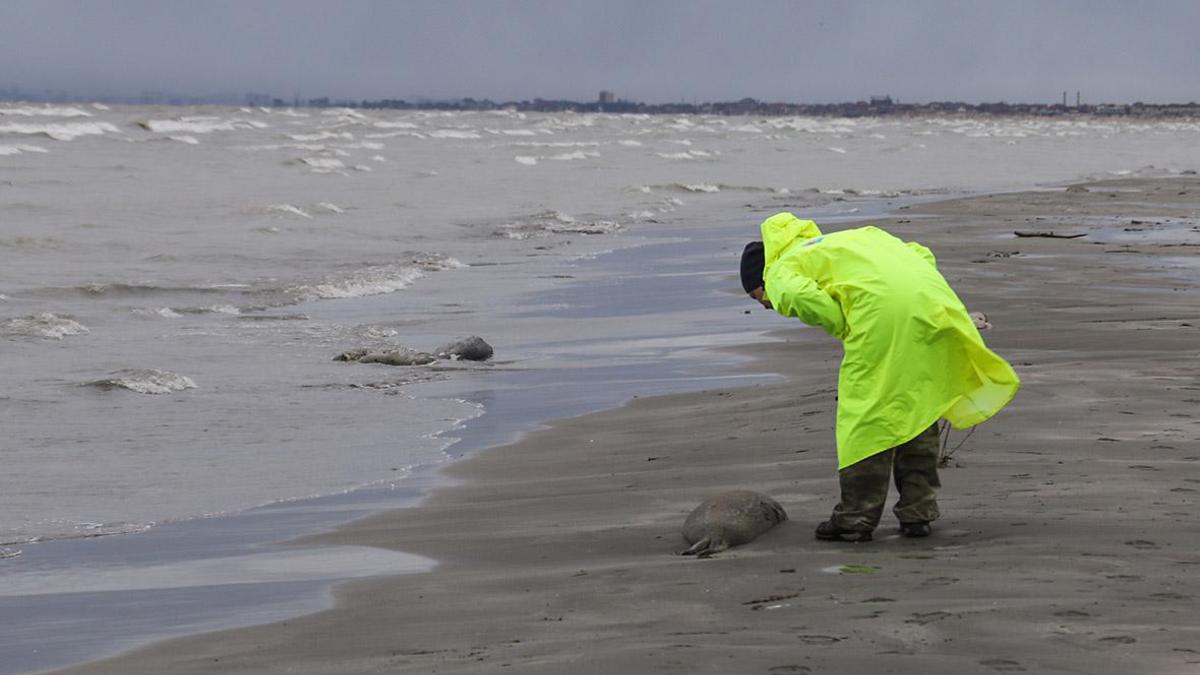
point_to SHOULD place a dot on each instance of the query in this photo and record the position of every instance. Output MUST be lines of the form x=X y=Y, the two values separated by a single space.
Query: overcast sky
x=646 y=50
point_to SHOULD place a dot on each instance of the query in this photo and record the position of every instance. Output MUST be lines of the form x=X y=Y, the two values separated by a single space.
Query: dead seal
x=392 y=357
x=729 y=519
x=473 y=348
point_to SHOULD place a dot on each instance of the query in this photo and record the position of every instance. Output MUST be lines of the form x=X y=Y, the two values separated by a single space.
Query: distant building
x=607 y=96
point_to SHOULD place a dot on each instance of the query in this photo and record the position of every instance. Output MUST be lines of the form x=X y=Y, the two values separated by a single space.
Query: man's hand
x=760 y=295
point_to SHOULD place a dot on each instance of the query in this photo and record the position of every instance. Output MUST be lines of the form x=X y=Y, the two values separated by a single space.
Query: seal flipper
x=697 y=548
x=706 y=547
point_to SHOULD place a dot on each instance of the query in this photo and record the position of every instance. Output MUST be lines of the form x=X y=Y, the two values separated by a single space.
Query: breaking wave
x=200 y=125
x=42 y=325
x=454 y=133
x=549 y=223
x=324 y=164
x=714 y=187
x=288 y=208
x=46 y=111
x=375 y=280
x=323 y=135
x=65 y=131
x=145 y=381
x=8 y=150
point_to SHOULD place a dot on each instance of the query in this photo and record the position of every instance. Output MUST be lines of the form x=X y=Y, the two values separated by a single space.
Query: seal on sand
x=729 y=519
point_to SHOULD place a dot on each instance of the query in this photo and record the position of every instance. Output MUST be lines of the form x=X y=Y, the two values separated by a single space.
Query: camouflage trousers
x=864 y=485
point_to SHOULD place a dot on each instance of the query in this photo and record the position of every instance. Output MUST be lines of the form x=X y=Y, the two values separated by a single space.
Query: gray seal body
x=473 y=348
x=729 y=519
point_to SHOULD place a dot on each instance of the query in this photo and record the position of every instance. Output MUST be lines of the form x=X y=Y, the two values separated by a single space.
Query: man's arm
x=794 y=295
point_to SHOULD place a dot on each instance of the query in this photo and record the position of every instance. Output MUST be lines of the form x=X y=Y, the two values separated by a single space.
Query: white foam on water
x=556 y=144
x=66 y=131
x=324 y=164
x=42 y=325
x=454 y=133
x=377 y=279
x=700 y=187
x=46 y=111
x=570 y=156
x=100 y=106
x=527 y=160
x=210 y=309
x=395 y=134
x=840 y=151
x=322 y=135
x=317 y=147
x=190 y=140
x=513 y=132
x=361 y=167
x=289 y=208
x=370 y=281
x=629 y=143
x=200 y=125
x=362 y=145
x=145 y=381
x=330 y=207
x=378 y=158
x=10 y=150
x=675 y=155
x=161 y=312
x=383 y=124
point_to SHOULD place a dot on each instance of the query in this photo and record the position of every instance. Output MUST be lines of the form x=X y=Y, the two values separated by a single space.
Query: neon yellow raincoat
x=912 y=354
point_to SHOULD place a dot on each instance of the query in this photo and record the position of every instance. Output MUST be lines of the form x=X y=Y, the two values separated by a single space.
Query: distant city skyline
x=654 y=51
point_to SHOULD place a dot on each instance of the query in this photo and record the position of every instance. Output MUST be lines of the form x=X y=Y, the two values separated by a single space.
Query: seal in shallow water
x=729 y=519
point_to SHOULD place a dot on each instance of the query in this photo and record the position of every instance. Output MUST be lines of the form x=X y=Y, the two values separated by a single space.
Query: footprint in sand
x=1073 y=613
x=819 y=639
x=1142 y=544
x=940 y=581
x=1007 y=665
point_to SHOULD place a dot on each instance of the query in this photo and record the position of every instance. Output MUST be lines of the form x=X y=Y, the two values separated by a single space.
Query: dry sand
x=1069 y=541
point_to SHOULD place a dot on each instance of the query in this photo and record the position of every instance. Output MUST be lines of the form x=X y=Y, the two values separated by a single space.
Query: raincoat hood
x=782 y=230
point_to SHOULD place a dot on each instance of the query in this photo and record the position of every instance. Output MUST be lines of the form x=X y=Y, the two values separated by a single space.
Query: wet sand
x=1068 y=544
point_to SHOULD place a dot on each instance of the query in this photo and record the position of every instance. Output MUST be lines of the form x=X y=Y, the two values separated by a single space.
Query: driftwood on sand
x=1049 y=235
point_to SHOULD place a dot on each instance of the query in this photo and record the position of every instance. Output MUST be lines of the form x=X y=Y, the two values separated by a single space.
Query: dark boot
x=917 y=529
x=827 y=531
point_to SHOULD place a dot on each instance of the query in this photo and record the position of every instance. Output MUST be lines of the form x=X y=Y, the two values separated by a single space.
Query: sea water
x=176 y=281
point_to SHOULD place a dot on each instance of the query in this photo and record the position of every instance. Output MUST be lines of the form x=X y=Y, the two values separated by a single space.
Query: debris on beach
x=851 y=568
x=402 y=356
x=1049 y=234
x=980 y=320
x=473 y=348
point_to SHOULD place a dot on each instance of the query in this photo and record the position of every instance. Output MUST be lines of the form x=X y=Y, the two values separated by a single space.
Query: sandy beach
x=1068 y=542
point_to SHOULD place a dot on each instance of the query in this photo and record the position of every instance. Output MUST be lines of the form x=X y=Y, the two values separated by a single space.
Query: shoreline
x=548 y=558
x=90 y=578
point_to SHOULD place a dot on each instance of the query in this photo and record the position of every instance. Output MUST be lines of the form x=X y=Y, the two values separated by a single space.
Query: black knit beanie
x=753 y=260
